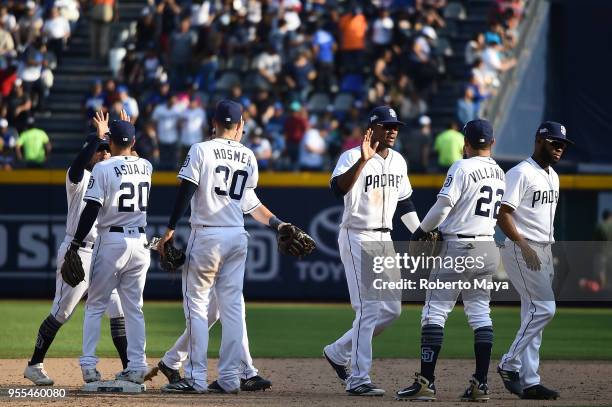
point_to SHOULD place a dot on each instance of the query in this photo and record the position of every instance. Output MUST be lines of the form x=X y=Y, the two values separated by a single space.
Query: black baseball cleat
x=255 y=383
x=366 y=389
x=539 y=392
x=421 y=390
x=173 y=376
x=181 y=387
x=511 y=380
x=215 y=387
x=342 y=371
x=476 y=391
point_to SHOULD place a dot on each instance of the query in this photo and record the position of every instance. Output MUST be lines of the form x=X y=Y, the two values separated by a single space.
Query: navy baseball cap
x=553 y=130
x=122 y=132
x=104 y=146
x=228 y=112
x=384 y=115
x=478 y=132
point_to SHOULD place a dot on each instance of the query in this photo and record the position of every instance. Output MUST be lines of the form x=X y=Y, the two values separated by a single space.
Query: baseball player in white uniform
x=96 y=149
x=117 y=195
x=373 y=179
x=465 y=213
x=218 y=178
x=526 y=217
x=173 y=359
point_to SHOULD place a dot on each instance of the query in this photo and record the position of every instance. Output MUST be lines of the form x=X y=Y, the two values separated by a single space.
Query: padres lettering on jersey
x=226 y=174
x=371 y=203
x=533 y=193
x=475 y=187
x=121 y=185
x=74 y=195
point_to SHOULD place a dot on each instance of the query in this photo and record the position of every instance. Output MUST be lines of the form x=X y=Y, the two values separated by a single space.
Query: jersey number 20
x=236 y=187
x=483 y=202
x=125 y=200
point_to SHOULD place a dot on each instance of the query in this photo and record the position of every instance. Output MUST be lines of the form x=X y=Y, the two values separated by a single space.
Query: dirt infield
x=299 y=382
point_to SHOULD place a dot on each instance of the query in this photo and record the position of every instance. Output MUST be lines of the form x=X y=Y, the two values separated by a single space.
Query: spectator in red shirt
x=110 y=93
x=8 y=75
x=295 y=127
x=352 y=138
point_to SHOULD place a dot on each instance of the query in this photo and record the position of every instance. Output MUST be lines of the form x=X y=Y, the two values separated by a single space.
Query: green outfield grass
x=301 y=330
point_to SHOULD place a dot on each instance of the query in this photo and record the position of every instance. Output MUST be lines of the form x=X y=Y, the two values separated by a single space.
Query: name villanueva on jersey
x=412 y=264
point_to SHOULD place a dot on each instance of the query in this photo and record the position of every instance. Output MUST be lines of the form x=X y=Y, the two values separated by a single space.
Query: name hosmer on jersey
x=382 y=180
x=232 y=154
x=545 y=197
x=139 y=168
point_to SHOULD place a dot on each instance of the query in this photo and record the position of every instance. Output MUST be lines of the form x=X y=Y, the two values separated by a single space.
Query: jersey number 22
x=482 y=204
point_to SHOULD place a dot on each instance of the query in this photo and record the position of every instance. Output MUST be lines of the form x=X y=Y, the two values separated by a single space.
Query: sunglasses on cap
x=389 y=126
x=556 y=144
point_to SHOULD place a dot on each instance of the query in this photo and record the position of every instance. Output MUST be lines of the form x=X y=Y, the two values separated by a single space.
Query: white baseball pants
x=537 y=309
x=120 y=261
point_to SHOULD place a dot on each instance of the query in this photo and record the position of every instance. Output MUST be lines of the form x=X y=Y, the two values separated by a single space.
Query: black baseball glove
x=172 y=259
x=294 y=241
x=425 y=243
x=72 y=269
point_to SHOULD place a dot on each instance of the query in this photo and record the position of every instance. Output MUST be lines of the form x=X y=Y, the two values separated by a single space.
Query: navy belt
x=460 y=236
x=120 y=229
x=88 y=245
x=384 y=230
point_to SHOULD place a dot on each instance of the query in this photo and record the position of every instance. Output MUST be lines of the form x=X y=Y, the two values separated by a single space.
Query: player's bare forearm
x=262 y=215
x=506 y=224
x=346 y=181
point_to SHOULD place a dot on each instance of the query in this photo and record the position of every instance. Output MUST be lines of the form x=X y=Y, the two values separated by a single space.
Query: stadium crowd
x=33 y=37
x=305 y=71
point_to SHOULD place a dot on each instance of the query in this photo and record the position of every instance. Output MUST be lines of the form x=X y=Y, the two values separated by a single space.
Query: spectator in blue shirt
x=324 y=46
x=94 y=102
x=466 y=109
x=300 y=76
x=261 y=147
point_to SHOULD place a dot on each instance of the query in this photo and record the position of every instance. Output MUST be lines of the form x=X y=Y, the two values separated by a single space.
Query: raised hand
x=101 y=122
x=367 y=149
x=124 y=116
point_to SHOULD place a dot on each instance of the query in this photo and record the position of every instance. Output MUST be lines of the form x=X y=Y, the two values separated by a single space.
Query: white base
x=114 y=386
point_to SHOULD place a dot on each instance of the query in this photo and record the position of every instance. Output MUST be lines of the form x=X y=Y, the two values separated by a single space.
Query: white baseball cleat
x=137 y=376
x=37 y=374
x=90 y=375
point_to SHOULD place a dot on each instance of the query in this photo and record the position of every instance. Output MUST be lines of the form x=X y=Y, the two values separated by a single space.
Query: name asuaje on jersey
x=139 y=168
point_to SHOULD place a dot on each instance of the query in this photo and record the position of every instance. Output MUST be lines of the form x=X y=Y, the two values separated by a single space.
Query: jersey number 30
x=236 y=187
x=126 y=199
x=482 y=204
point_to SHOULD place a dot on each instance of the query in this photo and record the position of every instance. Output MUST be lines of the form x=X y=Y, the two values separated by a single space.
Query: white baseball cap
x=424 y=120
x=3 y=123
x=430 y=33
